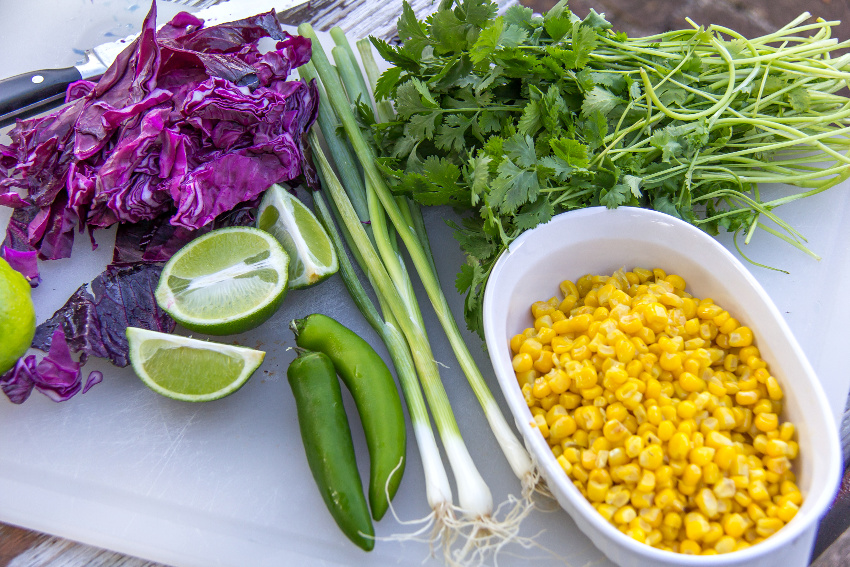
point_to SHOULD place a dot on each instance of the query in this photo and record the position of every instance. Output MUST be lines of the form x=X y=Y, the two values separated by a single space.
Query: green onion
x=515 y=453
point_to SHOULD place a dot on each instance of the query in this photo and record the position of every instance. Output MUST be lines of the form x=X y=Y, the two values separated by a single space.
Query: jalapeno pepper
x=328 y=444
x=374 y=391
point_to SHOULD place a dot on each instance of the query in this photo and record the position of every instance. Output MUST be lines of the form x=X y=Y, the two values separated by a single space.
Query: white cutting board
x=226 y=483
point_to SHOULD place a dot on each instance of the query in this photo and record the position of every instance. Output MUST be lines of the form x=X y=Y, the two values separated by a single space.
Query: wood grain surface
x=359 y=18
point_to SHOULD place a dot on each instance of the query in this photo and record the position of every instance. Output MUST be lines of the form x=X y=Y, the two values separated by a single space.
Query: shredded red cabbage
x=58 y=376
x=189 y=122
x=183 y=133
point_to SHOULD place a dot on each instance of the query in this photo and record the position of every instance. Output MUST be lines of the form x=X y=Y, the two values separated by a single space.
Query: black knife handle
x=31 y=91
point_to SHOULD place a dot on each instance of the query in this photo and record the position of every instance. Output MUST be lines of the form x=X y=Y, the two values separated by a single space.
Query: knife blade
x=32 y=92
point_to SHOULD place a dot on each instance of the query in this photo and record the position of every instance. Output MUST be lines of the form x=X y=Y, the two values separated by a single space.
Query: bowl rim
x=789 y=533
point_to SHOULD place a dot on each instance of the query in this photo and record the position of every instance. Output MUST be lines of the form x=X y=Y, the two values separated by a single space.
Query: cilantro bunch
x=517 y=117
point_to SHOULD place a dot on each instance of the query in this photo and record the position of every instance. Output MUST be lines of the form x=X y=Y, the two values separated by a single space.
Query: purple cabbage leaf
x=57 y=375
x=94 y=323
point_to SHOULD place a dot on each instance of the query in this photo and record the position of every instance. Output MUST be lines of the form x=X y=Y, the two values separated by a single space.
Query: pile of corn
x=661 y=411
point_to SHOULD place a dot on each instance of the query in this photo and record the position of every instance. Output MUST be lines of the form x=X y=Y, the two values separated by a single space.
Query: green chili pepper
x=373 y=388
x=327 y=442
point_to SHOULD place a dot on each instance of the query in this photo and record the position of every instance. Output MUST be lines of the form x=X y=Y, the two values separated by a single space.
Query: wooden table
x=21 y=547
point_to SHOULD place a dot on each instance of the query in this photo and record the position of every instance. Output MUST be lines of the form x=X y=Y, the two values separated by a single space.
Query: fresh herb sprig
x=518 y=117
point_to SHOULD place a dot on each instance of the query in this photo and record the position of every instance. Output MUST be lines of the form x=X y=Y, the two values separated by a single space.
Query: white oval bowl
x=600 y=241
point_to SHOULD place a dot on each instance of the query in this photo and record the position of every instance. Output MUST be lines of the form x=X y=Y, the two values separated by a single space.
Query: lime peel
x=17 y=316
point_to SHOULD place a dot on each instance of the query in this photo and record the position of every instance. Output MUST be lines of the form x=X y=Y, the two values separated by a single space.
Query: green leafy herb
x=515 y=118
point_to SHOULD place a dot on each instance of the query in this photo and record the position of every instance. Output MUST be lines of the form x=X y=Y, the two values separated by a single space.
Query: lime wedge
x=224 y=282
x=312 y=256
x=188 y=369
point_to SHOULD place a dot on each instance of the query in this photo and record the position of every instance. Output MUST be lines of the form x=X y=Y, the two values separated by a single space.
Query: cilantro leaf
x=615 y=196
x=601 y=100
x=596 y=21
x=451 y=134
x=411 y=31
x=448 y=32
x=387 y=82
x=479 y=173
x=521 y=149
x=410 y=101
x=514 y=187
x=533 y=214
x=572 y=152
x=584 y=42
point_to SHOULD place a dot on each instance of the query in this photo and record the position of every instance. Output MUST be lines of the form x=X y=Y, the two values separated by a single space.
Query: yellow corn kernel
x=708 y=310
x=618 y=496
x=701 y=456
x=766 y=421
x=647 y=482
x=724 y=457
x=691 y=475
x=579 y=473
x=627 y=473
x=741 y=337
x=569 y=400
x=728 y=325
x=615 y=431
x=707 y=502
x=735 y=525
x=774 y=390
x=696 y=526
x=624 y=515
x=589 y=418
x=522 y=362
x=666 y=430
x=747 y=398
x=776 y=448
x=545 y=334
x=562 y=428
x=566 y=465
x=633 y=446
x=768 y=526
x=541 y=388
x=531 y=347
x=725 y=544
x=655 y=316
x=561 y=345
x=711 y=473
x=641 y=500
x=544 y=362
x=755 y=512
x=786 y=511
x=540 y=423
x=559 y=381
x=665 y=498
x=554 y=413
x=651 y=457
x=606 y=510
x=597 y=485
x=663 y=477
x=686 y=409
x=679 y=446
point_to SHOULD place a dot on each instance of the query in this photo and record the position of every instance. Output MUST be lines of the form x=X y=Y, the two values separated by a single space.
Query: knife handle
x=28 y=93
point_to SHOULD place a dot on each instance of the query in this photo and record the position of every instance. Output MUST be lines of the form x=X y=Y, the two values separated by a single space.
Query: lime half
x=17 y=316
x=312 y=256
x=224 y=282
x=188 y=369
